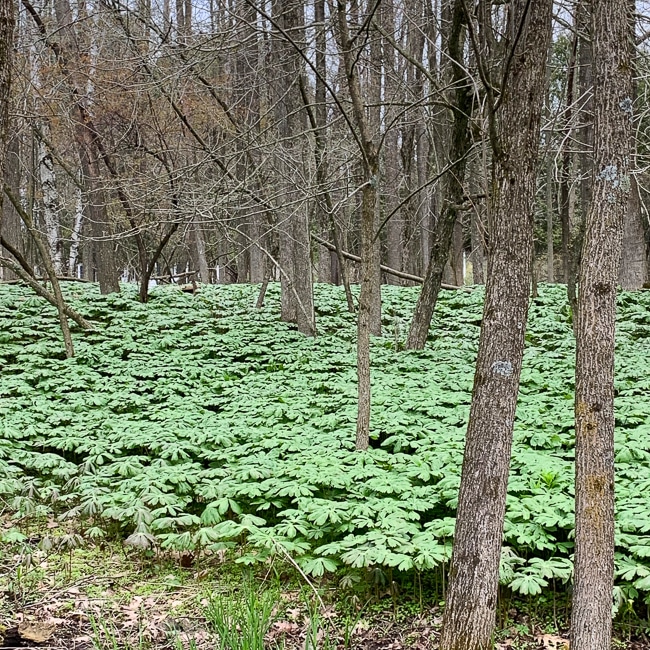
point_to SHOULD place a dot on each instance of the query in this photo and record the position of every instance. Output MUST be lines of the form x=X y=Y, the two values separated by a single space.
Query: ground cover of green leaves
x=200 y=422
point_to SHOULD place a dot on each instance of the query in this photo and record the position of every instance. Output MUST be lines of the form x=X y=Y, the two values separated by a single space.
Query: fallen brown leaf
x=36 y=631
x=553 y=642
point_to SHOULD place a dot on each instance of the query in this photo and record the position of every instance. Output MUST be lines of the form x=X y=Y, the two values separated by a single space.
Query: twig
x=385 y=269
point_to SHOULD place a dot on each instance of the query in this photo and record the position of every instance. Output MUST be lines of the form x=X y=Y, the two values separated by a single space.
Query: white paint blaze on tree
x=612 y=32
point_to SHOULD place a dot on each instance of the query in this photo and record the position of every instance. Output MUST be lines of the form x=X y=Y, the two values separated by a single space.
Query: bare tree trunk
x=9 y=219
x=100 y=230
x=478 y=254
x=75 y=236
x=369 y=319
x=586 y=138
x=369 y=267
x=7 y=25
x=256 y=256
x=474 y=575
x=550 y=255
x=371 y=196
x=395 y=225
x=633 y=272
x=318 y=122
x=318 y=119
x=390 y=151
x=612 y=32
x=477 y=221
x=199 y=239
x=51 y=203
x=302 y=269
x=297 y=298
x=453 y=184
x=566 y=168
x=457 y=253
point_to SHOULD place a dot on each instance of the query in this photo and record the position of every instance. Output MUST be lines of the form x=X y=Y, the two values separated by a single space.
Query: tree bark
x=199 y=240
x=633 y=272
x=591 y=619
x=586 y=137
x=100 y=231
x=550 y=255
x=9 y=220
x=566 y=168
x=477 y=221
x=369 y=315
x=474 y=575
x=390 y=150
x=51 y=203
x=7 y=26
x=75 y=235
x=297 y=297
x=453 y=184
x=317 y=116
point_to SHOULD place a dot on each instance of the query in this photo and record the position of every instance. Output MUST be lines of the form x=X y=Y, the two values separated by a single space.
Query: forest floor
x=105 y=598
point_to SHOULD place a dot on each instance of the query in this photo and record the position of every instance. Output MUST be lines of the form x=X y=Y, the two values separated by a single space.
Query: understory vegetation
x=201 y=424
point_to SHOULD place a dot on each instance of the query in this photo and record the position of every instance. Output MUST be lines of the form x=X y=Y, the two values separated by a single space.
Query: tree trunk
x=7 y=25
x=478 y=254
x=473 y=580
x=369 y=319
x=50 y=196
x=395 y=225
x=9 y=219
x=257 y=258
x=199 y=240
x=566 y=168
x=369 y=266
x=477 y=220
x=75 y=235
x=633 y=272
x=586 y=137
x=371 y=199
x=458 y=253
x=302 y=270
x=100 y=228
x=591 y=619
x=332 y=266
x=550 y=256
x=297 y=297
x=391 y=152
x=453 y=185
